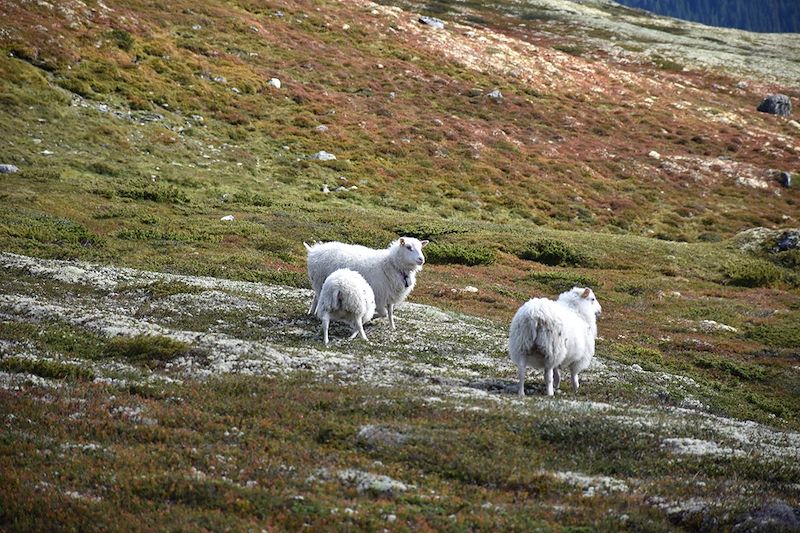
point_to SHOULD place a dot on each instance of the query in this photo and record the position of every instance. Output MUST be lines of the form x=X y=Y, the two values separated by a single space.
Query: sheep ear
x=586 y=292
x=423 y=243
x=402 y=241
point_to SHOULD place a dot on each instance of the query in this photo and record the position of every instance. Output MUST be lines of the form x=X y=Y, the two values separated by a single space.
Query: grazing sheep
x=391 y=272
x=547 y=334
x=346 y=296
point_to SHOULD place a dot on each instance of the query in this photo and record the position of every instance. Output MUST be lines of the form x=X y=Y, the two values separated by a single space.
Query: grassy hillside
x=622 y=151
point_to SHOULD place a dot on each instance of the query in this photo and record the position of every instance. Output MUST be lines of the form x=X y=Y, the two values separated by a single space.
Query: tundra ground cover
x=607 y=162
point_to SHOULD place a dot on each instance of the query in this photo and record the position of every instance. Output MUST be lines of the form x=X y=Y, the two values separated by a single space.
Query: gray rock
x=322 y=155
x=785 y=179
x=775 y=516
x=776 y=104
x=432 y=21
x=322 y=128
x=8 y=169
x=789 y=240
x=377 y=436
x=495 y=95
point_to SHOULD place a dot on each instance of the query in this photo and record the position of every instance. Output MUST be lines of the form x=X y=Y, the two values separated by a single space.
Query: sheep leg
x=521 y=375
x=361 y=330
x=390 y=311
x=312 y=309
x=575 y=381
x=556 y=379
x=325 y=321
x=548 y=380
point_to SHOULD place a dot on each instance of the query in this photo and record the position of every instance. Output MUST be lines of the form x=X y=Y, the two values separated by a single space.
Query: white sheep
x=346 y=296
x=547 y=334
x=391 y=272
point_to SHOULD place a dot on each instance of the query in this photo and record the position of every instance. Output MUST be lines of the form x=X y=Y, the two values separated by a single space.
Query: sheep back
x=346 y=295
x=548 y=334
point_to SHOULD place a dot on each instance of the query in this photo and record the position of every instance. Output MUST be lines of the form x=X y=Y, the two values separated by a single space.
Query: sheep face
x=588 y=296
x=411 y=251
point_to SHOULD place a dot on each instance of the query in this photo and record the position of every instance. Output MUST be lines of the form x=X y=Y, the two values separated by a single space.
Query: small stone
x=742 y=85
x=47 y=152
x=432 y=22
x=775 y=516
x=374 y=436
x=794 y=124
x=275 y=82
x=469 y=288
x=346 y=27
x=322 y=128
x=322 y=155
x=8 y=169
x=197 y=27
x=776 y=104
x=789 y=240
x=391 y=518
x=325 y=189
x=228 y=218
x=712 y=325
x=654 y=154
x=495 y=95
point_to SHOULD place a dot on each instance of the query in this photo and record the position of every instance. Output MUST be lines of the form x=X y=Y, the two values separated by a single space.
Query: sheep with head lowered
x=547 y=335
x=391 y=272
x=346 y=296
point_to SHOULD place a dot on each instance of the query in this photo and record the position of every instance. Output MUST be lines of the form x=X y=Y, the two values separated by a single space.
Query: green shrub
x=554 y=253
x=784 y=334
x=155 y=192
x=150 y=350
x=460 y=254
x=122 y=39
x=426 y=230
x=751 y=273
x=45 y=369
x=740 y=371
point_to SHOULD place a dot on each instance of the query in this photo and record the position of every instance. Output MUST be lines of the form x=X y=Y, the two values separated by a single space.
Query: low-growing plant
x=739 y=371
x=751 y=272
x=150 y=350
x=122 y=38
x=461 y=254
x=782 y=334
x=45 y=368
x=427 y=230
x=648 y=358
x=554 y=253
x=154 y=192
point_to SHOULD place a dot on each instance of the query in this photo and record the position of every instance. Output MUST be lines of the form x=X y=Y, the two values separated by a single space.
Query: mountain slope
x=538 y=145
